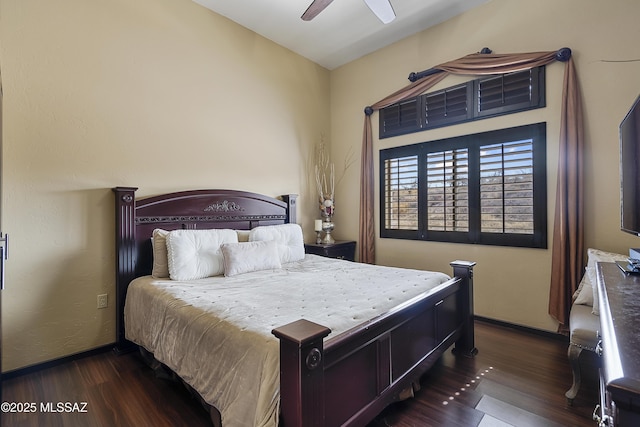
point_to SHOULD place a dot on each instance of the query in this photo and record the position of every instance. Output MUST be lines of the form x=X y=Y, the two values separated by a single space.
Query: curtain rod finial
x=563 y=54
x=368 y=110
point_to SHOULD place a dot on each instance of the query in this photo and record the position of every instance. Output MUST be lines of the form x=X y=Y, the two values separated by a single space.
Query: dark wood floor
x=516 y=376
x=525 y=374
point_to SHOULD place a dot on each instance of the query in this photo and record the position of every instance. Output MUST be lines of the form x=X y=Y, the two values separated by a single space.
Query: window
x=477 y=99
x=487 y=188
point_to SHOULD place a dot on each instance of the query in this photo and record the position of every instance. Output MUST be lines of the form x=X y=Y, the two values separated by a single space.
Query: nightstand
x=341 y=249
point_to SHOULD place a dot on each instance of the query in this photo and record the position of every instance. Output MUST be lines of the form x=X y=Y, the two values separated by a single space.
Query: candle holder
x=318 y=229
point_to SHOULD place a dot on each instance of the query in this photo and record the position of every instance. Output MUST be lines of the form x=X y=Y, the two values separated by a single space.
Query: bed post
x=126 y=256
x=301 y=373
x=290 y=200
x=466 y=343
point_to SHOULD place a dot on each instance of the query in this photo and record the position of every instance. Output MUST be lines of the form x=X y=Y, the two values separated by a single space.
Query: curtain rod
x=562 y=55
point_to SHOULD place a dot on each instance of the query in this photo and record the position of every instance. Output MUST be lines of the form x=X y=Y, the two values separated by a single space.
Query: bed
x=308 y=363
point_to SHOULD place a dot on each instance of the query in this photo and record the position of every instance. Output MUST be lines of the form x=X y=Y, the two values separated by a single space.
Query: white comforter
x=216 y=332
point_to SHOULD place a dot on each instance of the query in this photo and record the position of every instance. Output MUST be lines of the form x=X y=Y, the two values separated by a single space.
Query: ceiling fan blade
x=382 y=9
x=314 y=9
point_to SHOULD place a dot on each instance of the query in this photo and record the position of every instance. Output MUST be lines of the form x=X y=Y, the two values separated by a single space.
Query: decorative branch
x=348 y=161
x=326 y=178
x=324 y=185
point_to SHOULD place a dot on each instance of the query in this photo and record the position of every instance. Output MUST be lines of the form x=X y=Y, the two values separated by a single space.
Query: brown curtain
x=567 y=256
x=366 y=235
x=567 y=261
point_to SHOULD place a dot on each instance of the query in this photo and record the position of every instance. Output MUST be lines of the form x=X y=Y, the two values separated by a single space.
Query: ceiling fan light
x=382 y=9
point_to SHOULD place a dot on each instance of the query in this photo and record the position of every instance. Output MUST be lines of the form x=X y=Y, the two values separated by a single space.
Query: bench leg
x=574 y=354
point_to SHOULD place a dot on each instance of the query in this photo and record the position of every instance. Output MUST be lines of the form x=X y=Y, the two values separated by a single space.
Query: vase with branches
x=325 y=177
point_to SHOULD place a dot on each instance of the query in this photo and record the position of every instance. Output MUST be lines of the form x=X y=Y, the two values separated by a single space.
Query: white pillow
x=596 y=255
x=245 y=257
x=195 y=254
x=160 y=268
x=288 y=237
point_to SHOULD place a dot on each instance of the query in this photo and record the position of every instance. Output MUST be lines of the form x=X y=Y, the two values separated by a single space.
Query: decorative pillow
x=243 y=235
x=288 y=237
x=596 y=255
x=196 y=254
x=245 y=257
x=159 y=244
x=584 y=294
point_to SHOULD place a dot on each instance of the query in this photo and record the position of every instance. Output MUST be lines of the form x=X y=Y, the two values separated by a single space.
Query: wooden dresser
x=619 y=295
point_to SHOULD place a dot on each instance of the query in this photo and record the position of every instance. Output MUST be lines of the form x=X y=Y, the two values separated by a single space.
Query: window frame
x=537 y=239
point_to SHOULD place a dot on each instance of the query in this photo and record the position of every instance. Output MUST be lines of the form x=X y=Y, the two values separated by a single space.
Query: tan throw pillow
x=160 y=268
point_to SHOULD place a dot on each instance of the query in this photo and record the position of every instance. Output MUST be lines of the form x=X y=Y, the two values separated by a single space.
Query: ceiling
x=344 y=31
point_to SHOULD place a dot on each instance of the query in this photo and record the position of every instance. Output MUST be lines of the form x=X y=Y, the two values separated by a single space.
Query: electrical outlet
x=102 y=301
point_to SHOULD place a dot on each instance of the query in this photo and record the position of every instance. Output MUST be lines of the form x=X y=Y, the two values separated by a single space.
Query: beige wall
x=164 y=95
x=159 y=94
x=512 y=284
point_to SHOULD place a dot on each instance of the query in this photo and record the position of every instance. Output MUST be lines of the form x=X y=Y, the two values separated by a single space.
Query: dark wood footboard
x=348 y=379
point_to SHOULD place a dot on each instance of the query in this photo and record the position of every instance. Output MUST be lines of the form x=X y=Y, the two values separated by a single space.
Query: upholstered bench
x=584 y=327
x=584 y=319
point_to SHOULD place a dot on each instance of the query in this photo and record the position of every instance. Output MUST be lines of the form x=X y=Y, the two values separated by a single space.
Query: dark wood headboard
x=196 y=209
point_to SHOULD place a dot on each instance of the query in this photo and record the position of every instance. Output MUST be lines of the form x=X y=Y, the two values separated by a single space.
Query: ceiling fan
x=382 y=9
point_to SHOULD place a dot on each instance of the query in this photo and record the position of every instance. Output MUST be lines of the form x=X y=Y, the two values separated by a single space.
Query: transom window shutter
x=446 y=106
x=474 y=100
x=400 y=118
x=507 y=92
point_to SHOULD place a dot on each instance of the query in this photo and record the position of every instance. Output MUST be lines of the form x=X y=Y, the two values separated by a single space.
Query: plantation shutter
x=448 y=190
x=401 y=193
x=507 y=92
x=446 y=106
x=474 y=100
x=400 y=118
x=506 y=187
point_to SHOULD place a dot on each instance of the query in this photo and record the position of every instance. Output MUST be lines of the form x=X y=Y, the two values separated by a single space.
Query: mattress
x=215 y=333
